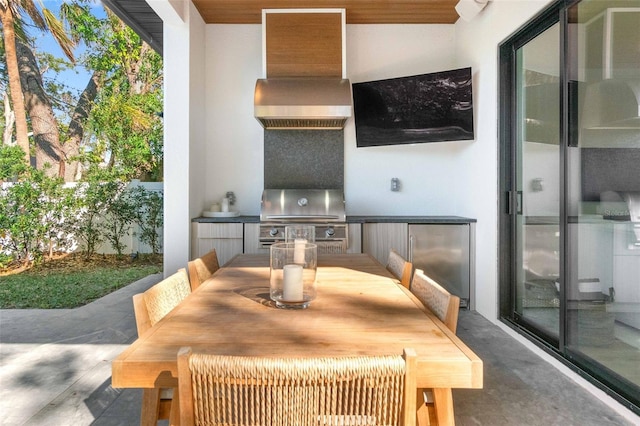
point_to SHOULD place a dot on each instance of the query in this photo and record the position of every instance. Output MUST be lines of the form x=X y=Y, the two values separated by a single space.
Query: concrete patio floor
x=55 y=369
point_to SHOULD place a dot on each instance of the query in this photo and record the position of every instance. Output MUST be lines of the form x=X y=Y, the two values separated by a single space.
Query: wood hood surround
x=304 y=84
x=300 y=44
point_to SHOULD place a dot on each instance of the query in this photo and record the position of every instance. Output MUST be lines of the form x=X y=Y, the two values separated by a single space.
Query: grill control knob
x=303 y=202
x=273 y=232
x=329 y=232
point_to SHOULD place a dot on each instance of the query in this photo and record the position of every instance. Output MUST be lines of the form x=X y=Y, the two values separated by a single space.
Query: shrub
x=149 y=216
x=93 y=198
x=29 y=212
x=121 y=214
x=38 y=214
x=12 y=164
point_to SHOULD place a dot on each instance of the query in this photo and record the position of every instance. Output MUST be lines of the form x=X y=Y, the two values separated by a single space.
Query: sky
x=78 y=77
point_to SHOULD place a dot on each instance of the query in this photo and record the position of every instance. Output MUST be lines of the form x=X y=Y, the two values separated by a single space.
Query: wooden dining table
x=360 y=309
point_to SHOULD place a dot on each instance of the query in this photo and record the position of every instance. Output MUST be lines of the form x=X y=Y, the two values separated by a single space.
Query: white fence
x=131 y=240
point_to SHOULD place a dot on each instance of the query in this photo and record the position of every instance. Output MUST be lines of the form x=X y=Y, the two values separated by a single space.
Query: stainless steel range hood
x=302 y=103
x=612 y=104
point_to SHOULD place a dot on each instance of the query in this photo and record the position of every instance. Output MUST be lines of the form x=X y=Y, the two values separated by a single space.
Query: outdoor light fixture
x=468 y=9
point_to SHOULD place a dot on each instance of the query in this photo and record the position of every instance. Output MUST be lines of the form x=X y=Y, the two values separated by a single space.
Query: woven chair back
x=399 y=267
x=166 y=295
x=226 y=390
x=436 y=298
x=202 y=268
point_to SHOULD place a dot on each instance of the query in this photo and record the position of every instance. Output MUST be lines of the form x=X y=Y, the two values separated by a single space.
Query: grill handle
x=301 y=218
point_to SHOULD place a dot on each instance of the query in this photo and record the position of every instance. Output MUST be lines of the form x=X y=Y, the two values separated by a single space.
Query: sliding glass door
x=537 y=158
x=570 y=179
x=603 y=191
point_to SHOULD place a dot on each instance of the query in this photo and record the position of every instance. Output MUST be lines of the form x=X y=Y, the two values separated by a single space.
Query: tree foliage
x=115 y=122
x=32 y=213
x=11 y=165
x=124 y=124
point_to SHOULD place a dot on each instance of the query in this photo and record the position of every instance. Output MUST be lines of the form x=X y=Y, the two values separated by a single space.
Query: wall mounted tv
x=422 y=108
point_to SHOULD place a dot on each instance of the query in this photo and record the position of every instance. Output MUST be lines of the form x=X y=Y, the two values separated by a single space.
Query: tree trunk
x=22 y=137
x=9 y=121
x=76 y=126
x=43 y=120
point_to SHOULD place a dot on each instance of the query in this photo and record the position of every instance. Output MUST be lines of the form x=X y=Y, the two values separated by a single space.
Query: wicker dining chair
x=149 y=308
x=399 y=267
x=202 y=268
x=436 y=298
x=446 y=307
x=330 y=391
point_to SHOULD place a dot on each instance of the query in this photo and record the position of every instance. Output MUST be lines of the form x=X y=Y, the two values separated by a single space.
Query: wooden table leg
x=150 y=407
x=443 y=402
x=174 y=419
x=422 y=409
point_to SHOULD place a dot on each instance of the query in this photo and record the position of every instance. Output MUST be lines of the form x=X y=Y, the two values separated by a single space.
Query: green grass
x=43 y=288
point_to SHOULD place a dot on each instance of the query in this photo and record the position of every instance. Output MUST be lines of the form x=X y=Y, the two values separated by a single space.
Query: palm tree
x=11 y=15
x=7 y=14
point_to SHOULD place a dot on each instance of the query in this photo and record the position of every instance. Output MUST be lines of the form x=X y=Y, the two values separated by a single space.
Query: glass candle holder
x=293 y=274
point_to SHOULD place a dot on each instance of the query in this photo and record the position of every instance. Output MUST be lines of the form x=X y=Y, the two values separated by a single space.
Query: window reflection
x=603 y=293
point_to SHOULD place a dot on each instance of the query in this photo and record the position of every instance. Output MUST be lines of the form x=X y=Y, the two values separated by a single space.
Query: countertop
x=351 y=219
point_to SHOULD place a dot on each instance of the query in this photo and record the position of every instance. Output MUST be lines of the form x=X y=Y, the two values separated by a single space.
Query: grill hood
x=302 y=103
x=612 y=104
x=302 y=205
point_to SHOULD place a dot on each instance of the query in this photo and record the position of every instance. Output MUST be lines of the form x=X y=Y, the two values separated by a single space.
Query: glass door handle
x=514 y=202
x=519 y=202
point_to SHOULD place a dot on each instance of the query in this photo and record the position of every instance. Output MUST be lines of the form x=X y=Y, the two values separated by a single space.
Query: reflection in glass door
x=603 y=193
x=537 y=292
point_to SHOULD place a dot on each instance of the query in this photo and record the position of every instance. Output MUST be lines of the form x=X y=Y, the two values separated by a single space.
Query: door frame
x=508 y=193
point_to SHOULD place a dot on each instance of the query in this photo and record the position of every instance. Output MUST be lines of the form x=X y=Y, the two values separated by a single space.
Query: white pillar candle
x=292 y=283
x=299 y=246
x=225 y=205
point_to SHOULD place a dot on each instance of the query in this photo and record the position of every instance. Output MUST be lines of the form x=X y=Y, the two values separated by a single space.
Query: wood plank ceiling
x=143 y=19
x=357 y=11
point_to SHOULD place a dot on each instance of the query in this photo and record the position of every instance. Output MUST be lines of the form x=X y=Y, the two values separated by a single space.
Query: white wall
x=183 y=33
x=197 y=141
x=477 y=45
x=432 y=183
x=234 y=141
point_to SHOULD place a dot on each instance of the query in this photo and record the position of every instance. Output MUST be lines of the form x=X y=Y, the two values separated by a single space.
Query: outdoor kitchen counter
x=410 y=219
x=231 y=219
x=351 y=219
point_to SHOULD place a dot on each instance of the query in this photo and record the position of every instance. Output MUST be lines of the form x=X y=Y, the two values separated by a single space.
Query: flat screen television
x=432 y=107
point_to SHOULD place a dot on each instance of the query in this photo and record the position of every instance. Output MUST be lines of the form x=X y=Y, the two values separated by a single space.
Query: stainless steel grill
x=322 y=208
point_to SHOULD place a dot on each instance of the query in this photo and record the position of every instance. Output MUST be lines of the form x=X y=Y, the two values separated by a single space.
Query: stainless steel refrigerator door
x=443 y=252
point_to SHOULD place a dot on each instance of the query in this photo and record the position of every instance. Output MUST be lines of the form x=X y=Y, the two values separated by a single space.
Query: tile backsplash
x=304 y=159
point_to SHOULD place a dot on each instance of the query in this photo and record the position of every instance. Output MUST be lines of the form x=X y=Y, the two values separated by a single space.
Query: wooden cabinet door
x=379 y=238
x=354 y=236
x=251 y=236
x=226 y=238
